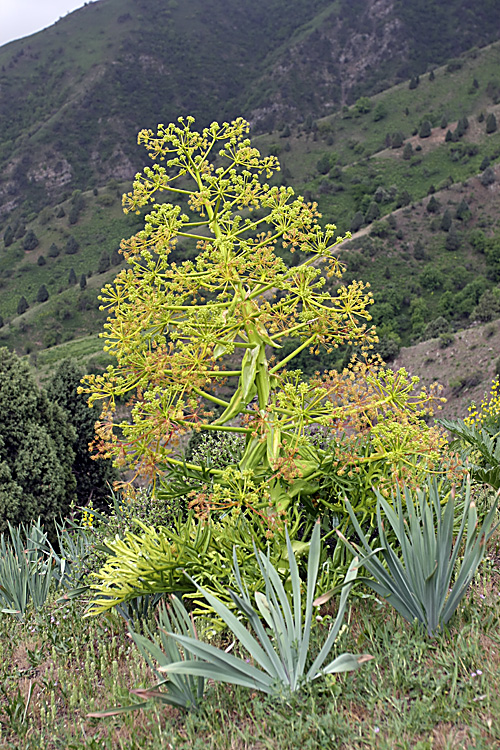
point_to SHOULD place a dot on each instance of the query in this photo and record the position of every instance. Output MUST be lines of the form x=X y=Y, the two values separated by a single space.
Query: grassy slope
x=419 y=693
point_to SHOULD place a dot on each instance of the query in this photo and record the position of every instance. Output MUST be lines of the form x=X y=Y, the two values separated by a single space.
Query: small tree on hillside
x=8 y=236
x=433 y=205
x=408 y=151
x=425 y=129
x=446 y=221
x=42 y=294
x=22 y=305
x=453 y=240
x=30 y=241
x=72 y=246
x=491 y=123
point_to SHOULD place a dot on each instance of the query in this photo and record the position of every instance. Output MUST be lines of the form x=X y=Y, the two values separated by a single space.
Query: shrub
x=407 y=151
x=42 y=294
x=423 y=577
x=488 y=177
x=453 y=240
x=30 y=241
x=425 y=129
x=72 y=246
x=446 y=221
x=372 y=213
x=433 y=205
x=397 y=139
x=104 y=263
x=177 y=328
x=491 y=123
x=8 y=236
x=35 y=449
x=22 y=305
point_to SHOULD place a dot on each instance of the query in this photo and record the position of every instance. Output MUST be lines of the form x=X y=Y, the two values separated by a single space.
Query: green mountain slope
x=73 y=97
x=369 y=165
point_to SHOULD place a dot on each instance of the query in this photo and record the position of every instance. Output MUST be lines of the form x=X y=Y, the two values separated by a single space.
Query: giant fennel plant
x=197 y=342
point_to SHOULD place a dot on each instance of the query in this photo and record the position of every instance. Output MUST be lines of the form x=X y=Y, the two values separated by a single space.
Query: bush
x=35 y=449
x=397 y=139
x=491 y=123
x=425 y=129
x=104 y=263
x=172 y=354
x=30 y=241
x=372 y=213
x=22 y=306
x=357 y=221
x=8 y=236
x=488 y=177
x=72 y=246
x=433 y=205
x=93 y=478
x=408 y=151
x=423 y=577
x=453 y=240
x=42 y=294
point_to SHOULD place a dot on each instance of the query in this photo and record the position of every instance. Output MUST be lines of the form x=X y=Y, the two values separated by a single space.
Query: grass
x=57 y=667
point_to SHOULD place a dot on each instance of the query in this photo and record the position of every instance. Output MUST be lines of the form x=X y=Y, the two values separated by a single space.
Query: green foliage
x=42 y=295
x=397 y=139
x=26 y=574
x=491 y=123
x=183 y=555
x=104 y=263
x=180 y=690
x=433 y=205
x=446 y=221
x=453 y=239
x=284 y=657
x=408 y=151
x=8 y=236
x=35 y=449
x=425 y=129
x=372 y=213
x=93 y=477
x=72 y=245
x=30 y=240
x=422 y=576
x=22 y=305
x=480 y=448
x=436 y=327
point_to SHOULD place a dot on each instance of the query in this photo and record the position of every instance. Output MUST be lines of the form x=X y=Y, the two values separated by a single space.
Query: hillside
x=73 y=97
